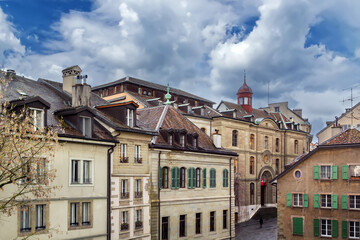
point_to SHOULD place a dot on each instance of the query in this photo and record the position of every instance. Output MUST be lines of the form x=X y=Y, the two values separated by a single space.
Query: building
x=318 y=193
x=349 y=119
x=191 y=179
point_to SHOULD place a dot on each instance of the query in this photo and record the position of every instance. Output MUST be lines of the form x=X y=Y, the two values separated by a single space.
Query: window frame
x=251 y=165
x=83 y=126
x=356 y=198
x=163 y=230
x=80 y=171
x=252 y=141
x=300 y=201
x=182 y=177
x=326 y=202
x=212 y=223
x=234 y=138
x=198 y=178
x=123 y=153
x=266 y=142
x=352 y=234
x=327 y=229
x=328 y=166
x=182 y=225
x=197 y=223
x=225 y=219
x=33 y=112
x=165 y=177
x=129 y=117
x=137 y=157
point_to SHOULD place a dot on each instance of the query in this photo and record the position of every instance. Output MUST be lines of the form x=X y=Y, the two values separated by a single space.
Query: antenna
x=351 y=99
x=268 y=92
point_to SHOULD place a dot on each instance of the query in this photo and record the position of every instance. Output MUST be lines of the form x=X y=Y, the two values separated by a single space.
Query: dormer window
x=171 y=139
x=37 y=116
x=130 y=117
x=85 y=126
x=182 y=140
x=195 y=142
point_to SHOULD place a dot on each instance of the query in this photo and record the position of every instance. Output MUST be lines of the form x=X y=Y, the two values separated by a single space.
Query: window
x=354 y=231
x=212 y=178
x=325 y=227
x=182 y=177
x=182 y=226
x=123 y=158
x=252 y=186
x=124 y=221
x=325 y=172
x=81 y=172
x=252 y=141
x=124 y=189
x=165 y=177
x=138 y=159
x=203 y=129
x=297 y=174
x=326 y=201
x=296 y=147
x=277 y=144
x=277 y=163
x=130 y=117
x=212 y=221
x=138 y=192
x=138 y=218
x=198 y=223
x=25 y=219
x=85 y=126
x=354 y=172
x=86 y=172
x=297 y=200
x=277 y=109
x=40 y=217
x=74 y=214
x=225 y=178
x=241 y=101
x=195 y=142
x=37 y=116
x=225 y=219
x=266 y=142
x=165 y=228
x=75 y=171
x=171 y=139
x=234 y=138
x=85 y=213
x=198 y=179
x=354 y=201
x=297 y=225
x=246 y=100
x=182 y=140
x=252 y=160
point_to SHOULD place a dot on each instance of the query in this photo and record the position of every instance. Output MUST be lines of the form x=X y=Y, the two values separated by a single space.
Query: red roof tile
x=346 y=137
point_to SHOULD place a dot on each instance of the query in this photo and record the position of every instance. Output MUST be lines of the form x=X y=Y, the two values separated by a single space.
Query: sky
x=305 y=52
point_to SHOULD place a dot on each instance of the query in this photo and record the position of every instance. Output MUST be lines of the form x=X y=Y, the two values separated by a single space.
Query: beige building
x=318 y=193
x=192 y=180
x=349 y=119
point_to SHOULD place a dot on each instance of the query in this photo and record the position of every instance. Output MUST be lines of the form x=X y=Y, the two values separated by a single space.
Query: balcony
x=124 y=159
x=124 y=195
x=138 y=160
x=124 y=226
x=138 y=195
x=138 y=224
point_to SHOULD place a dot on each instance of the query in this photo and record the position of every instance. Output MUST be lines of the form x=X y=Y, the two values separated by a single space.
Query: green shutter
x=189 y=177
x=334 y=203
x=316 y=172
x=177 y=184
x=316 y=200
x=344 y=201
x=345 y=170
x=344 y=232
x=160 y=177
x=335 y=228
x=193 y=177
x=214 y=177
x=316 y=227
x=173 y=178
x=288 y=199
x=204 y=177
x=334 y=174
x=297 y=226
x=306 y=200
x=225 y=178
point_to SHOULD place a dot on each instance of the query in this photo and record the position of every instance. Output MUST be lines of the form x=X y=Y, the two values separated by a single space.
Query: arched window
x=165 y=177
x=252 y=141
x=234 y=138
x=212 y=178
x=277 y=162
x=296 y=147
x=252 y=194
x=225 y=178
x=266 y=142
x=203 y=129
x=182 y=177
x=252 y=161
x=277 y=144
x=198 y=179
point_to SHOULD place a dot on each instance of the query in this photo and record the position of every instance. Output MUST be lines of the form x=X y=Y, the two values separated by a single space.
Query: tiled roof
x=347 y=137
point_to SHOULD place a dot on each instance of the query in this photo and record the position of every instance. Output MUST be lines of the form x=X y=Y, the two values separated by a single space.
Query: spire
x=167 y=95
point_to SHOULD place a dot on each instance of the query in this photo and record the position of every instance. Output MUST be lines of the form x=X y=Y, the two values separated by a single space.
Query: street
x=251 y=230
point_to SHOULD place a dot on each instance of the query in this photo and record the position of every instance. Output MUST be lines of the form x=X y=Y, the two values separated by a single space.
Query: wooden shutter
x=344 y=173
x=225 y=178
x=189 y=178
x=344 y=231
x=160 y=178
x=306 y=200
x=316 y=227
x=316 y=172
x=335 y=228
x=193 y=177
x=334 y=203
x=288 y=199
x=204 y=177
x=297 y=226
x=173 y=178
x=316 y=200
x=214 y=177
x=334 y=174
x=177 y=181
x=344 y=201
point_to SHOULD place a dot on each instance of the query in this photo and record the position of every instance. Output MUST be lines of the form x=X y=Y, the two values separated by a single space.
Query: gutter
x=108 y=202
x=230 y=159
x=159 y=233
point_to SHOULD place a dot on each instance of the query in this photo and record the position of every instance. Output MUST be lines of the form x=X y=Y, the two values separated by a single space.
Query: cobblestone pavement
x=251 y=230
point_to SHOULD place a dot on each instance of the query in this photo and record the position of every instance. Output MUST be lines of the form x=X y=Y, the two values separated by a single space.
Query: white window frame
x=137 y=151
x=327 y=229
x=326 y=172
x=327 y=201
x=356 y=206
x=138 y=215
x=297 y=201
x=137 y=185
x=130 y=117
x=83 y=130
x=34 y=112
x=123 y=150
x=81 y=172
x=124 y=217
x=126 y=181
x=352 y=234
x=182 y=140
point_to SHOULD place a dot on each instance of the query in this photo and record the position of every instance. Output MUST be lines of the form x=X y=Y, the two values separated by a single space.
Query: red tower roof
x=244 y=88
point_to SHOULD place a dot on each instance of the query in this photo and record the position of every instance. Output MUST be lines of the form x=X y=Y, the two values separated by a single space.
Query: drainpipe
x=230 y=159
x=159 y=233
x=108 y=227
x=284 y=149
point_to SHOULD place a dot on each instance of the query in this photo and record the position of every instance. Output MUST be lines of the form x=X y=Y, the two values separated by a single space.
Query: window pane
x=40 y=217
x=86 y=213
x=75 y=171
x=74 y=209
x=198 y=223
x=25 y=219
x=87 y=172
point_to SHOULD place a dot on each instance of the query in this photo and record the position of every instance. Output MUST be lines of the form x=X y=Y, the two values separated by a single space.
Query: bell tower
x=244 y=96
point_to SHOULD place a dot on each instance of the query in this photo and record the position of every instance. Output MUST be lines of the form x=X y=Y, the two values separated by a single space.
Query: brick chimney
x=69 y=77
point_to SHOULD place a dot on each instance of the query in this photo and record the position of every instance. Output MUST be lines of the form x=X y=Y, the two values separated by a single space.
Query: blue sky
x=309 y=51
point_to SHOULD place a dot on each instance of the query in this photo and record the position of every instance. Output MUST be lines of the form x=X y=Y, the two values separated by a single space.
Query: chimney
x=298 y=112
x=81 y=92
x=217 y=139
x=69 y=77
x=10 y=73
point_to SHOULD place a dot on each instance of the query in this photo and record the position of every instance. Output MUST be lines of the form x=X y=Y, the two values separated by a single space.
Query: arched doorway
x=266 y=191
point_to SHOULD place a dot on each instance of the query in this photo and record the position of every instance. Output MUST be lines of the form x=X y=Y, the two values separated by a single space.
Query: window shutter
x=344 y=229
x=316 y=227
x=288 y=199
x=335 y=228
x=334 y=201
x=344 y=201
x=306 y=200
x=160 y=177
x=189 y=178
x=173 y=178
x=316 y=200
x=334 y=174
x=214 y=177
x=345 y=170
x=178 y=178
x=225 y=178
x=316 y=172
x=193 y=177
x=297 y=226
x=204 y=178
